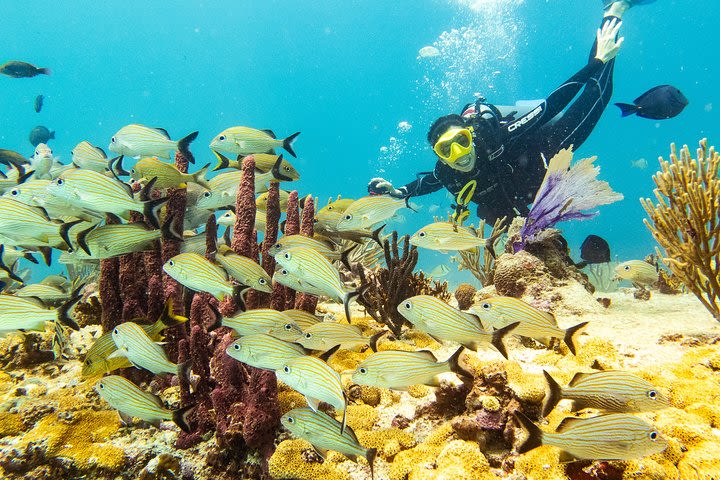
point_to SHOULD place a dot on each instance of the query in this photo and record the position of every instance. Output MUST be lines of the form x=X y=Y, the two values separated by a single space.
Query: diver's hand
x=608 y=43
x=380 y=186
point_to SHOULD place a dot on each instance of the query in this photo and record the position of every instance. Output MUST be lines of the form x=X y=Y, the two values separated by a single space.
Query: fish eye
x=101 y=386
x=626 y=267
x=115 y=331
x=421 y=234
x=287 y=169
x=236 y=346
x=171 y=263
x=408 y=305
x=112 y=140
x=348 y=217
x=15 y=192
x=286 y=369
x=653 y=435
x=486 y=306
x=288 y=326
x=287 y=255
x=290 y=420
x=132 y=170
x=60 y=181
x=206 y=194
x=221 y=138
x=308 y=336
x=652 y=394
x=362 y=370
x=262 y=281
x=330 y=208
x=315 y=220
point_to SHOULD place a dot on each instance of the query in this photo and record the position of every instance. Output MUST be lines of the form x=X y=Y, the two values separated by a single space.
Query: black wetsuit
x=507 y=184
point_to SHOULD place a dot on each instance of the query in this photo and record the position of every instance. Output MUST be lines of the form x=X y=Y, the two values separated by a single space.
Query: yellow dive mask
x=454 y=144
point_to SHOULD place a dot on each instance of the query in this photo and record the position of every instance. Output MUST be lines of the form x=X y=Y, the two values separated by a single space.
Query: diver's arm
x=426 y=183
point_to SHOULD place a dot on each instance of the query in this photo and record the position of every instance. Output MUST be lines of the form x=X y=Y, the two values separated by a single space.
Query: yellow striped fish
x=107 y=241
x=228 y=219
x=47 y=293
x=264 y=162
x=59 y=281
x=264 y=351
x=17 y=313
x=11 y=178
x=243 y=269
x=446 y=237
x=200 y=274
x=42 y=161
x=96 y=360
x=317 y=381
x=444 y=322
x=311 y=266
x=329 y=215
x=325 y=335
x=290 y=241
x=166 y=174
x=133 y=342
x=22 y=224
x=140 y=141
x=499 y=312
x=638 y=272
x=399 y=370
x=10 y=255
x=261 y=201
x=222 y=189
x=128 y=399
x=86 y=155
x=616 y=436
x=246 y=141
x=34 y=193
x=264 y=320
x=321 y=430
x=612 y=391
x=95 y=192
x=302 y=318
x=366 y=212
x=283 y=277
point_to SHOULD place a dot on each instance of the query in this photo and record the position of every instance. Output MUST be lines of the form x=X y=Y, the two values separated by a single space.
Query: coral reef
x=109 y=286
x=685 y=220
x=481 y=262
x=306 y=301
x=465 y=295
x=292 y=227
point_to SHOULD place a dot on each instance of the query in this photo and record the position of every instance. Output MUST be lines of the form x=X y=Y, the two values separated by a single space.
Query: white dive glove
x=608 y=44
x=380 y=186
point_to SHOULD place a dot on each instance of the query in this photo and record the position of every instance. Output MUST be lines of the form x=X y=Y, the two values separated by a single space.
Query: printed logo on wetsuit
x=526 y=119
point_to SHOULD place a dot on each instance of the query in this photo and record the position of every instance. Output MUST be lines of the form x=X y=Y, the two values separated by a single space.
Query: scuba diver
x=497 y=158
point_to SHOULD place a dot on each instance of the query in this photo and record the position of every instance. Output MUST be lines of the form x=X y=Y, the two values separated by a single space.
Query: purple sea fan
x=567 y=193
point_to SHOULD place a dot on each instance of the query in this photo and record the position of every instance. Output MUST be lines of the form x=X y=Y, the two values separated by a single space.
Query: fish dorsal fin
x=567 y=423
x=269 y=132
x=578 y=378
x=427 y=354
x=163 y=131
x=312 y=403
x=351 y=432
x=100 y=151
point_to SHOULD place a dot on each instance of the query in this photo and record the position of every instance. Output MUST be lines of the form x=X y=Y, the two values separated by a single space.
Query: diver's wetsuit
x=508 y=177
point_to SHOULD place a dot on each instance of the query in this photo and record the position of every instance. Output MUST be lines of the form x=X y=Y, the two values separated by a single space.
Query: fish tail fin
x=200 y=176
x=218 y=318
x=64 y=310
x=534 y=434
x=373 y=342
x=183 y=145
x=151 y=210
x=627 y=109
x=370 y=457
x=82 y=240
x=376 y=235
x=169 y=232
x=346 y=303
x=499 y=335
x=64 y=232
x=30 y=257
x=287 y=143
x=116 y=166
x=570 y=335
x=344 y=420
x=344 y=257
x=276 y=170
x=223 y=161
x=490 y=244
x=11 y=274
x=46 y=252
x=168 y=317
x=454 y=363
x=46 y=71
x=553 y=394
x=180 y=417
x=581 y=265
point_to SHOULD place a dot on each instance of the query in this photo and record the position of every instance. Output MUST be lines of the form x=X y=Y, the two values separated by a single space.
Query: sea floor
x=54 y=426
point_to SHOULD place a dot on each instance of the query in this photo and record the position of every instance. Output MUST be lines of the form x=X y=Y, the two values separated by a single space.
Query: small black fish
x=594 y=250
x=39 y=103
x=658 y=103
x=17 y=69
x=40 y=135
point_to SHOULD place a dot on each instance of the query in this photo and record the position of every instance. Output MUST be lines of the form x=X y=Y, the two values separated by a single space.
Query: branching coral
x=567 y=193
x=481 y=262
x=685 y=221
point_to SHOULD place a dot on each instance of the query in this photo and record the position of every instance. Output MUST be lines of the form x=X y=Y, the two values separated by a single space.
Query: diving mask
x=454 y=144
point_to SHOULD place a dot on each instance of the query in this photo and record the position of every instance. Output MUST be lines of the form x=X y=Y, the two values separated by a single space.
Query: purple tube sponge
x=567 y=193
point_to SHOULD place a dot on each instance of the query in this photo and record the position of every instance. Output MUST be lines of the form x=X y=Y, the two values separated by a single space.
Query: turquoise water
x=346 y=74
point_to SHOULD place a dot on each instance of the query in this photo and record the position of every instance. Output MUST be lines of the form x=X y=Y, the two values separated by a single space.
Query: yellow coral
x=395 y=345
x=689 y=429
x=289 y=399
x=10 y=424
x=528 y=387
x=80 y=439
x=416 y=463
x=489 y=403
x=388 y=442
x=418 y=391
x=347 y=360
x=709 y=413
x=543 y=463
x=370 y=395
x=702 y=461
x=649 y=469
x=422 y=340
x=361 y=417
x=288 y=463
x=464 y=460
